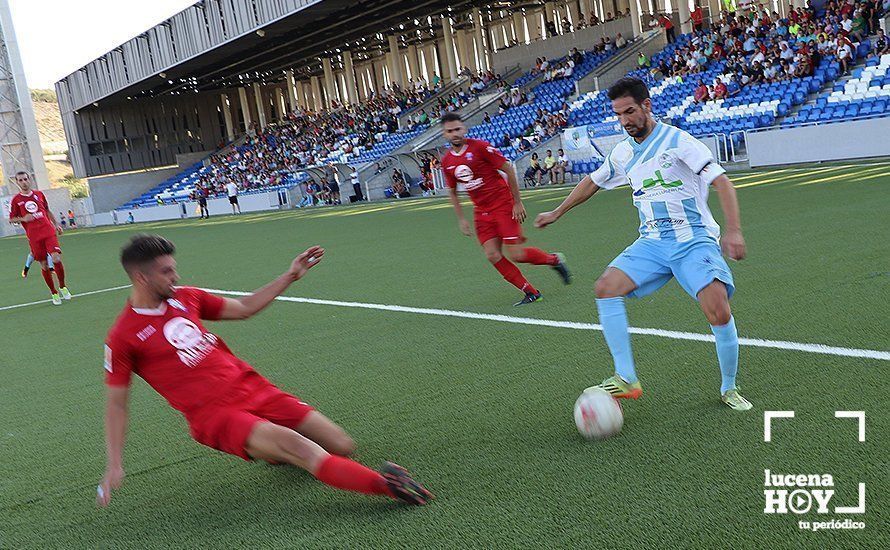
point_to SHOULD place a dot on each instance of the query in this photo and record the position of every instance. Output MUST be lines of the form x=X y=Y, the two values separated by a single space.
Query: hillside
x=52 y=141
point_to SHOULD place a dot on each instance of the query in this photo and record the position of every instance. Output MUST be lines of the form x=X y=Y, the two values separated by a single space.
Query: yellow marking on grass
x=881 y=170
x=784 y=179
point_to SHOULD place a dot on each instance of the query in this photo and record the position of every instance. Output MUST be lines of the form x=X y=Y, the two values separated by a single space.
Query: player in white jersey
x=669 y=172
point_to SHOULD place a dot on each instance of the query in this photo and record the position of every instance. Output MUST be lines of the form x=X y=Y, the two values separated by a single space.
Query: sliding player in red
x=30 y=209
x=228 y=405
x=490 y=180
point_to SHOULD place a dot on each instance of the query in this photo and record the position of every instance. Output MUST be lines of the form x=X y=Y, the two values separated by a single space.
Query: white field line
x=16 y=306
x=671 y=334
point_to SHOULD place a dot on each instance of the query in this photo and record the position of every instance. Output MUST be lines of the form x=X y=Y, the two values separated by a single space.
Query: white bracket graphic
x=768 y=420
x=860 y=509
x=859 y=415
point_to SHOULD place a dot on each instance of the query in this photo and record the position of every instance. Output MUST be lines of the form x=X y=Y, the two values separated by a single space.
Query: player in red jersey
x=490 y=180
x=228 y=405
x=30 y=209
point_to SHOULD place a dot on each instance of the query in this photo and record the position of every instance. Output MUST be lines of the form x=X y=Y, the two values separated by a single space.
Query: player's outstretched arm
x=732 y=242
x=513 y=183
x=579 y=194
x=458 y=210
x=115 y=432
x=249 y=306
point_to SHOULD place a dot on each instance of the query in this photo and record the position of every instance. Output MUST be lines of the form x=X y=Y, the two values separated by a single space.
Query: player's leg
x=703 y=273
x=535 y=256
x=274 y=443
x=640 y=269
x=487 y=231
x=54 y=252
x=326 y=433
x=28 y=261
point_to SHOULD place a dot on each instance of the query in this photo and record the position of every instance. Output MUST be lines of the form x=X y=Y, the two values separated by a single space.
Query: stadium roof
x=217 y=44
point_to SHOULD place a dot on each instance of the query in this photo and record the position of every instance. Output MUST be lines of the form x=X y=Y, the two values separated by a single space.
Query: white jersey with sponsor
x=669 y=173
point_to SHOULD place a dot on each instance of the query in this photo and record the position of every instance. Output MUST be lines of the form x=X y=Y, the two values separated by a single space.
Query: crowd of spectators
x=762 y=47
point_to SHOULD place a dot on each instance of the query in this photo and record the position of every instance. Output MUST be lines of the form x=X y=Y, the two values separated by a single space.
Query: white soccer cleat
x=65 y=294
x=57 y=301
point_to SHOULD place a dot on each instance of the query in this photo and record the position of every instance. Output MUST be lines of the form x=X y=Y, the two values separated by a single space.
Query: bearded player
x=669 y=173
x=29 y=208
x=228 y=405
x=498 y=213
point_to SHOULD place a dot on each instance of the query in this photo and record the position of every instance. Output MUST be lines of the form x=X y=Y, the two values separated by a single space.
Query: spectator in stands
x=697 y=18
x=549 y=165
x=566 y=26
x=506 y=141
x=486 y=119
x=576 y=56
x=643 y=62
x=609 y=17
x=860 y=26
x=701 y=94
x=844 y=55
x=668 y=26
x=720 y=90
x=594 y=20
x=620 y=41
x=562 y=165
x=535 y=170
x=882 y=44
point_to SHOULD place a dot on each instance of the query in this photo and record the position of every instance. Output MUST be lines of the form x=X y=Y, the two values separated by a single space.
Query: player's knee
x=341 y=444
x=494 y=256
x=719 y=313
x=606 y=288
x=299 y=450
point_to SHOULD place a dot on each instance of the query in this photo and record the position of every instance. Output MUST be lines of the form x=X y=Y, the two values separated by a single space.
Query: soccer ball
x=598 y=415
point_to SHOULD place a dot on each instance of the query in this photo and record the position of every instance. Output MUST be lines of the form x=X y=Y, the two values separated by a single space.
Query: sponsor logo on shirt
x=144 y=334
x=464 y=174
x=192 y=345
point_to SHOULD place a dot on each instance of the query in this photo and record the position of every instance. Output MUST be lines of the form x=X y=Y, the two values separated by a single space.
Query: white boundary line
x=671 y=334
x=16 y=306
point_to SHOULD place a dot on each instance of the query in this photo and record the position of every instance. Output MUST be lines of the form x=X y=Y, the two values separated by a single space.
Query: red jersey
x=172 y=351
x=477 y=167
x=33 y=203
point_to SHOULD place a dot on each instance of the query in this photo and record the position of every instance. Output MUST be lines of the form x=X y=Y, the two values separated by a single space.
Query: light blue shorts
x=650 y=263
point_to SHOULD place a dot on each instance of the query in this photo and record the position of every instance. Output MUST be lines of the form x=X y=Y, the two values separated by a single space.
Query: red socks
x=60 y=273
x=513 y=276
x=537 y=256
x=348 y=475
x=48 y=277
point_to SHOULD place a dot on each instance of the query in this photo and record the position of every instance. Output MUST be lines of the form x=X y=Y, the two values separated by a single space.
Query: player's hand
x=545 y=218
x=305 y=261
x=59 y=229
x=112 y=480
x=465 y=227
x=519 y=211
x=733 y=245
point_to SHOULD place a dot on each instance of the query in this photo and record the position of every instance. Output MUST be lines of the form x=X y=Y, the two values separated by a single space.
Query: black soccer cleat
x=402 y=485
x=25 y=271
x=562 y=269
x=529 y=298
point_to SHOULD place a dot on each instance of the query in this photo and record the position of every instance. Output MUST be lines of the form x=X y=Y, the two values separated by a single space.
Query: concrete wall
x=824 y=142
x=109 y=192
x=256 y=202
x=653 y=42
x=557 y=46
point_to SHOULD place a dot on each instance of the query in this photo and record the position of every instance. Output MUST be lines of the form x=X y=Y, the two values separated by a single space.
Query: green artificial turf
x=479 y=410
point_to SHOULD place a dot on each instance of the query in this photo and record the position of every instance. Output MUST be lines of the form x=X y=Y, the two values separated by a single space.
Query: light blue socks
x=613 y=317
x=727 y=340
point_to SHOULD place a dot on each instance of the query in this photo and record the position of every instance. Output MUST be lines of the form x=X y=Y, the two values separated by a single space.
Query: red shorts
x=43 y=246
x=225 y=426
x=498 y=224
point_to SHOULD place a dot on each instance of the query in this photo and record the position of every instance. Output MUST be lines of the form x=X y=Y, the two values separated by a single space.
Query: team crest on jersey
x=469 y=155
x=191 y=344
x=665 y=161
